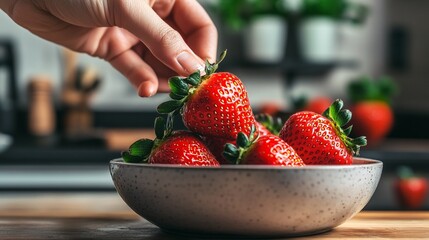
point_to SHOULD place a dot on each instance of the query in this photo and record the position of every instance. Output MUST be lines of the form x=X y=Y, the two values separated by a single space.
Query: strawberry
x=266 y=123
x=261 y=150
x=373 y=119
x=370 y=99
x=178 y=147
x=215 y=104
x=270 y=108
x=320 y=139
x=411 y=190
x=217 y=145
x=184 y=148
x=316 y=104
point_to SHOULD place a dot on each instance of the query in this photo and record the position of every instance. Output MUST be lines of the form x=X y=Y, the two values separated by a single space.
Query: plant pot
x=318 y=38
x=265 y=39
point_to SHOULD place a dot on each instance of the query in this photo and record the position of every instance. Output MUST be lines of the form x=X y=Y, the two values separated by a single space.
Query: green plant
x=340 y=10
x=237 y=13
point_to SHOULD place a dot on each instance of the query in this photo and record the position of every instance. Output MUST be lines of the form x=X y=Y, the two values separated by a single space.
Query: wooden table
x=34 y=216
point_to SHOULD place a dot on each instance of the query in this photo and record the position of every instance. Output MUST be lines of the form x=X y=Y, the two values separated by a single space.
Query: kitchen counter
x=59 y=215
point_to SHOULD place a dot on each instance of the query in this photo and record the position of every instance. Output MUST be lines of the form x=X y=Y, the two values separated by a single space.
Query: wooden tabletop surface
x=34 y=216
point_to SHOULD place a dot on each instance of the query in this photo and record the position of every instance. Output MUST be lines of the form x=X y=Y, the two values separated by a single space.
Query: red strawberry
x=315 y=104
x=320 y=139
x=318 y=104
x=373 y=115
x=373 y=119
x=261 y=150
x=217 y=145
x=270 y=108
x=266 y=123
x=215 y=104
x=179 y=147
x=411 y=190
x=184 y=148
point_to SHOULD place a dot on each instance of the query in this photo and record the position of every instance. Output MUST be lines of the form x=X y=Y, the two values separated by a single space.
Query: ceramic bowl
x=247 y=200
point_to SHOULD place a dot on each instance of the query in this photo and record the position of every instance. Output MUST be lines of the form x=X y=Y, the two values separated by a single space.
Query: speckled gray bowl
x=250 y=201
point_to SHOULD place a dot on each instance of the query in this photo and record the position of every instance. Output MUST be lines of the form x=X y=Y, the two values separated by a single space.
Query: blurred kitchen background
x=64 y=115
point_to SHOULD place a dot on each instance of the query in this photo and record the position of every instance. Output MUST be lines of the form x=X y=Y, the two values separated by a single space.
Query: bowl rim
x=357 y=163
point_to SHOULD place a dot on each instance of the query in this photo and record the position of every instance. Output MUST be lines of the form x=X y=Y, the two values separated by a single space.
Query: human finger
x=164 y=42
x=198 y=28
x=139 y=73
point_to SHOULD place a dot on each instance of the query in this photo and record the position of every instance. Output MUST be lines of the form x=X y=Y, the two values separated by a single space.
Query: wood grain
x=105 y=216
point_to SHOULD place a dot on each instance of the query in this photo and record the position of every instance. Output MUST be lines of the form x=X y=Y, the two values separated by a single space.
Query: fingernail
x=146 y=90
x=189 y=62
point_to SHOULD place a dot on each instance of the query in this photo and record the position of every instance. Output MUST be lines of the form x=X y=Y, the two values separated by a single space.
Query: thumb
x=164 y=42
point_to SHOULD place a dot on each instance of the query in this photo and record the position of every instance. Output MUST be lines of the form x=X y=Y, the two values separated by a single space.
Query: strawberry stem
x=405 y=172
x=235 y=153
x=339 y=118
x=367 y=88
x=212 y=67
x=141 y=149
x=181 y=88
x=273 y=124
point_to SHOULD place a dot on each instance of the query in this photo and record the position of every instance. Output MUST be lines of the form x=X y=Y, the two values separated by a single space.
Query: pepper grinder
x=41 y=120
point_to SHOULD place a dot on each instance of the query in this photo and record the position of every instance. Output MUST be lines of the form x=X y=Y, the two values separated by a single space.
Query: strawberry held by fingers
x=179 y=147
x=320 y=139
x=215 y=104
x=261 y=150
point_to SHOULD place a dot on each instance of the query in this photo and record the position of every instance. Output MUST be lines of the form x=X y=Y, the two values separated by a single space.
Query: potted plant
x=318 y=31
x=263 y=24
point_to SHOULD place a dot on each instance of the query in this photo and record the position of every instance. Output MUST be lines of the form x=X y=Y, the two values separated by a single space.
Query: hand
x=148 y=41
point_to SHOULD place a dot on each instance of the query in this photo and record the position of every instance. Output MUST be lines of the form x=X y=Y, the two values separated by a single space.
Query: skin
x=148 y=41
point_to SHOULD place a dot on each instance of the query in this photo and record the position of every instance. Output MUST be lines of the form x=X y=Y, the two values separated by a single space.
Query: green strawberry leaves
x=180 y=90
x=178 y=86
x=128 y=158
x=231 y=152
x=194 y=79
x=341 y=117
x=273 y=124
x=171 y=106
x=366 y=88
x=242 y=140
x=337 y=114
x=141 y=149
x=212 y=67
x=359 y=141
x=234 y=153
x=348 y=130
x=182 y=87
